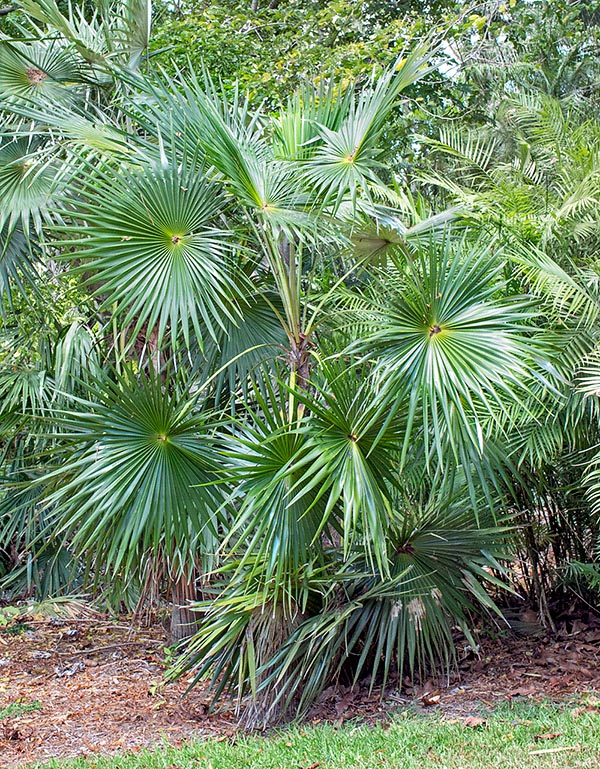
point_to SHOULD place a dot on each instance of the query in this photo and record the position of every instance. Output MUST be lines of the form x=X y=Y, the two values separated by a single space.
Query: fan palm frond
x=39 y=71
x=30 y=177
x=296 y=128
x=112 y=29
x=18 y=259
x=138 y=476
x=447 y=342
x=274 y=528
x=243 y=347
x=348 y=158
x=353 y=457
x=155 y=242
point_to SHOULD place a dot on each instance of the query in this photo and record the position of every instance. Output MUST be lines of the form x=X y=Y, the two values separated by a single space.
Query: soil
x=90 y=685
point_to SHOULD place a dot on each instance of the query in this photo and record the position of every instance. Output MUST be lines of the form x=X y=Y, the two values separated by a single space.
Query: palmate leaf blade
x=403 y=621
x=30 y=178
x=346 y=159
x=449 y=342
x=154 y=241
x=245 y=347
x=351 y=457
x=18 y=259
x=296 y=128
x=113 y=30
x=273 y=533
x=137 y=474
x=41 y=71
x=196 y=117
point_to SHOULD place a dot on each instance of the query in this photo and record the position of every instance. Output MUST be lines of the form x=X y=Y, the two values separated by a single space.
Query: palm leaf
x=274 y=527
x=564 y=290
x=18 y=258
x=347 y=158
x=39 y=71
x=154 y=240
x=29 y=179
x=447 y=342
x=133 y=477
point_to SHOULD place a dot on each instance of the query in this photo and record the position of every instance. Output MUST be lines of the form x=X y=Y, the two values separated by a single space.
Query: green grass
x=16 y=709
x=408 y=741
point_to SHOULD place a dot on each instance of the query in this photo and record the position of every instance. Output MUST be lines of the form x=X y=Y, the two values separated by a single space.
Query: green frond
x=447 y=342
x=275 y=527
x=155 y=242
x=243 y=347
x=27 y=391
x=477 y=152
x=347 y=158
x=137 y=474
x=114 y=29
x=18 y=258
x=296 y=128
x=41 y=71
x=564 y=291
x=30 y=176
x=353 y=441
x=350 y=619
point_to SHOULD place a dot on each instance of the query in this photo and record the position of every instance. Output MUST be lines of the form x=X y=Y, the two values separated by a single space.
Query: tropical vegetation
x=323 y=369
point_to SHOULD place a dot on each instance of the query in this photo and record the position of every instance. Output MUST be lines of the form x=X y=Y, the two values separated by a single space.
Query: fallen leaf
x=474 y=722
x=553 y=750
x=547 y=736
x=431 y=698
x=524 y=691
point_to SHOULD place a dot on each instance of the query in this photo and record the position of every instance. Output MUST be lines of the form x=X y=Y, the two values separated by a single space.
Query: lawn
x=519 y=735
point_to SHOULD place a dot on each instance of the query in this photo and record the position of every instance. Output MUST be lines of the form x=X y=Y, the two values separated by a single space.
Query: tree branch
x=7 y=9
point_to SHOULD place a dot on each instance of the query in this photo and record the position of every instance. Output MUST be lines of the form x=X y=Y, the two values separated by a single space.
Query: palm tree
x=298 y=392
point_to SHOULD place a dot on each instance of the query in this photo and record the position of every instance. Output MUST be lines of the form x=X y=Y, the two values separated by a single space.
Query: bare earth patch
x=98 y=688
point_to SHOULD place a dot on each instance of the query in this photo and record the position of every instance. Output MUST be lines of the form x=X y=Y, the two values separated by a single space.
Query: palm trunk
x=183 y=619
x=299 y=357
x=270 y=626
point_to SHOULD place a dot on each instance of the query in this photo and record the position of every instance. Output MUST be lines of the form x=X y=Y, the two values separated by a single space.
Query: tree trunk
x=183 y=619
x=299 y=357
x=269 y=628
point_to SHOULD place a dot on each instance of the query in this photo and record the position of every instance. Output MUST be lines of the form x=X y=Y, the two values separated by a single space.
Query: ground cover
x=92 y=686
x=510 y=738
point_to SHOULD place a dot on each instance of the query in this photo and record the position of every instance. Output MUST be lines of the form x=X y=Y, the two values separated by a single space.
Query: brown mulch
x=100 y=689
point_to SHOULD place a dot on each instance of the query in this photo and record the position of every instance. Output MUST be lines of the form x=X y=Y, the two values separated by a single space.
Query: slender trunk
x=183 y=619
x=269 y=628
x=299 y=356
x=537 y=578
